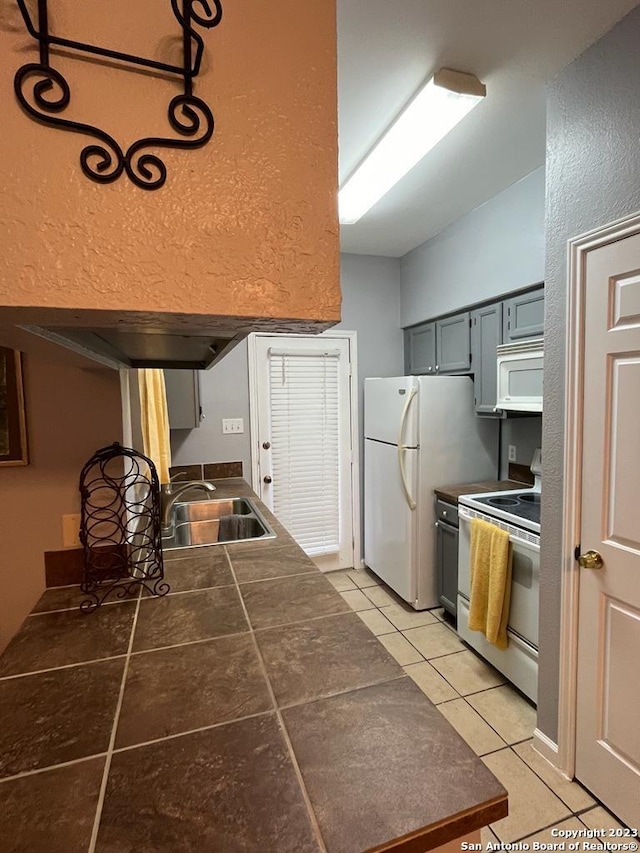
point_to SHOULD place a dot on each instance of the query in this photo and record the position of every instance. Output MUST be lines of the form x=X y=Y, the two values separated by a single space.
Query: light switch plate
x=71 y=530
x=233 y=426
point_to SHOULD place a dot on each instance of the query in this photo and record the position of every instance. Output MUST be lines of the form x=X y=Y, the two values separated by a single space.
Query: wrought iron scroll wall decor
x=120 y=526
x=44 y=93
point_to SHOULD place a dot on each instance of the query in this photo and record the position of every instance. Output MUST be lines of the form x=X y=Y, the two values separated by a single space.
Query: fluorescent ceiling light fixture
x=436 y=109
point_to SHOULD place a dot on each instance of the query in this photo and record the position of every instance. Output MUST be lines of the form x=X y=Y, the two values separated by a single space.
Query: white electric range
x=517 y=512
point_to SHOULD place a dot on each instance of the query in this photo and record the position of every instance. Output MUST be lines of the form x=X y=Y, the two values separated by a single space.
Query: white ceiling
x=387 y=49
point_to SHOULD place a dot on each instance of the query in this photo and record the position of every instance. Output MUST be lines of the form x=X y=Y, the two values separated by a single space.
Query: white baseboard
x=548 y=750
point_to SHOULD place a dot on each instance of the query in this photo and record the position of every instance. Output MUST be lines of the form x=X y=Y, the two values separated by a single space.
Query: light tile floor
x=489 y=714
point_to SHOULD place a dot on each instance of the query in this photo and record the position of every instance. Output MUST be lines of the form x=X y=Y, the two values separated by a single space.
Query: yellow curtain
x=155 y=420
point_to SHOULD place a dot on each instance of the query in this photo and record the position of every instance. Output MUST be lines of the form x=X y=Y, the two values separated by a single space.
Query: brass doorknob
x=267 y=479
x=591 y=560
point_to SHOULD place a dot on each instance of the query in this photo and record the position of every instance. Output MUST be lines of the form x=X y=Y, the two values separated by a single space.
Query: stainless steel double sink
x=212 y=522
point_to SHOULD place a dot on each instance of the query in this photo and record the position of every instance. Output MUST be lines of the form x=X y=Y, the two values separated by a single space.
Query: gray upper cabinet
x=420 y=349
x=524 y=316
x=453 y=344
x=486 y=335
x=439 y=347
x=183 y=398
x=466 y=342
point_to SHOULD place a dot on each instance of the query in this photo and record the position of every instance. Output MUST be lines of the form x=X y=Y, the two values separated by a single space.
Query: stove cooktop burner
x=533 y=499
x=503 y=502
x=510 y=506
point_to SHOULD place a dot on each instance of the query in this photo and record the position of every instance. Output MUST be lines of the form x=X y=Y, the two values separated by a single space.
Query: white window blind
x=305 y=449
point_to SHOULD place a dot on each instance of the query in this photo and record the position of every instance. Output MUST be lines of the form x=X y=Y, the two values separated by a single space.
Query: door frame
x=352 y=339
x=563 y=755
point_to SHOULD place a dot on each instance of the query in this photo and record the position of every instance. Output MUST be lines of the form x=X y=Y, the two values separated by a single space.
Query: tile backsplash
x=207 y=471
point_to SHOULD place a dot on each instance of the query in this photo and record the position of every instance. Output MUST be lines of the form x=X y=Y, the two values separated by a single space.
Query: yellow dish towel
x=490 y=563
x=155 y=420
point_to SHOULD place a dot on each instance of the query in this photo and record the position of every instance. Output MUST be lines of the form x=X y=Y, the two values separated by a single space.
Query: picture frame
x=13 y=428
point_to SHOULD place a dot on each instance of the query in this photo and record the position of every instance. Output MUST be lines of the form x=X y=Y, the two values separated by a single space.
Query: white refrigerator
x=420 y=432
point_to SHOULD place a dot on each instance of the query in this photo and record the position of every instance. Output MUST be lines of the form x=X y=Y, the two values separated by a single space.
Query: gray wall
x=593 y=177
x=370 y=307
x=525 y=434
x=497 y=248
x=224 y=393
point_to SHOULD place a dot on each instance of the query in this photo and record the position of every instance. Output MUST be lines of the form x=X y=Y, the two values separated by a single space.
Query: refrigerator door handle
x=401 y=449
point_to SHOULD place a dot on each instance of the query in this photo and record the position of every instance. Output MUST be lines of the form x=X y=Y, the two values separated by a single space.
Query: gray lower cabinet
x=524 y=316
x=447 y=555
x=486 y=335
x=420 y=349
x=453 y=351
x=183 y=398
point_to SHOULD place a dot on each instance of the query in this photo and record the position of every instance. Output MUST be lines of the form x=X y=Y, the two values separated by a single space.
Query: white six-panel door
x=608 y=684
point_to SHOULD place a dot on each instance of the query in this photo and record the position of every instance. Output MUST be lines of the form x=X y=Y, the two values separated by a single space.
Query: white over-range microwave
x=520 y=376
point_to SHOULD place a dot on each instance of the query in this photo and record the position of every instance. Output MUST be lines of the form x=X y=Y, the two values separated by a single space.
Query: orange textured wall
x=246 y=225
x=70 y=414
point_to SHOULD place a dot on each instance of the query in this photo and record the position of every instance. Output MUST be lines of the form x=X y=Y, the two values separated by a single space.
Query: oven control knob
x=591 y=560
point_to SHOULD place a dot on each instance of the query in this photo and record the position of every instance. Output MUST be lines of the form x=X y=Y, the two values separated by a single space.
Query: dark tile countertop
x=452 y=493
x=248 y=710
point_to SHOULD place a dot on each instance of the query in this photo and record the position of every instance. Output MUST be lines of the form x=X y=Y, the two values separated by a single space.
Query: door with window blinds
x=305 y=442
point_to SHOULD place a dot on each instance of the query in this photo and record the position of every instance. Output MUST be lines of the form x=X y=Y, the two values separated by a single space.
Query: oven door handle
x=514 y=539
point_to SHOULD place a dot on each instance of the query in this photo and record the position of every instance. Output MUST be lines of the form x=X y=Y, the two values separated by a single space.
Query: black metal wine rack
x=120 y=526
